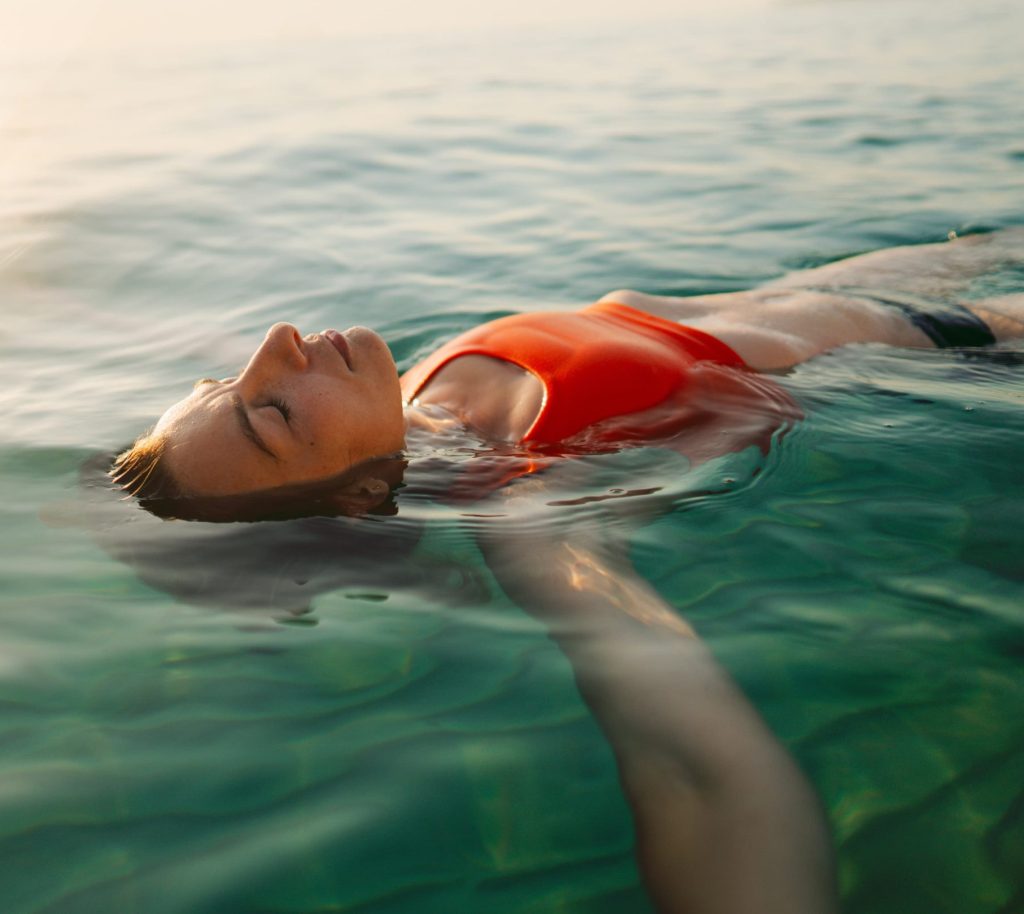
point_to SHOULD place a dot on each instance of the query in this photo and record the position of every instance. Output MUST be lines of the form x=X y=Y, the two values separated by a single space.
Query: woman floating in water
x=308 y=408
x=724 y=819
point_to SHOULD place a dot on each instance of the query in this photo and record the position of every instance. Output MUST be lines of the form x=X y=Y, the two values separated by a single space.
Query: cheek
x=391 y=411
x=376 y=425
x=361 y=420
x=323 y=433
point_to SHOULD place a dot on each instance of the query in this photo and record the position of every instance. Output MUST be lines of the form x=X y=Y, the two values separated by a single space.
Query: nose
x=281 y=351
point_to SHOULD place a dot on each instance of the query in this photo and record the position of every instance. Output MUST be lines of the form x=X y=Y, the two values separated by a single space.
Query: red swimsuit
x=601 y=363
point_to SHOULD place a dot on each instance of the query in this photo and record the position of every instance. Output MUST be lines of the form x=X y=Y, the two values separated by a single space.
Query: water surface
x=218 y=722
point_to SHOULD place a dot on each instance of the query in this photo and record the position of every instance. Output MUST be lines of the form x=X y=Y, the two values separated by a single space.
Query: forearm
x=724 y=819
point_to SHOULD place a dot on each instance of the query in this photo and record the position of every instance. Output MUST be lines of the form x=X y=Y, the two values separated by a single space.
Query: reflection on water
x=410 y=740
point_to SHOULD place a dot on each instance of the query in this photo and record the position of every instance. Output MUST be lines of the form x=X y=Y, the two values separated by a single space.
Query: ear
x=361 y=495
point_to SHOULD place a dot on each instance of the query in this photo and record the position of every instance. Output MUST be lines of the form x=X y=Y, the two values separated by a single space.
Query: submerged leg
x=1003 y=313
x=941 y=271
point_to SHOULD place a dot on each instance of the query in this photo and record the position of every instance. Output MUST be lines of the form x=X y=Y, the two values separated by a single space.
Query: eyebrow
x=247 y=427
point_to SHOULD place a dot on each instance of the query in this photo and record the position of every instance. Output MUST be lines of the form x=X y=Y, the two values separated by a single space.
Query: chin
x=365 y=335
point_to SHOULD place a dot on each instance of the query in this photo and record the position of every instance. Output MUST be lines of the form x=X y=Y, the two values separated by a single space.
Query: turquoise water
x=221 y=720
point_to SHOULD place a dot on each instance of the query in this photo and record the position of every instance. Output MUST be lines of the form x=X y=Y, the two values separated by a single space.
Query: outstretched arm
x=725 y=822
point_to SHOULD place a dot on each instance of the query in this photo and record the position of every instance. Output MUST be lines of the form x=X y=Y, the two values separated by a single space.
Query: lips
x=339 y=342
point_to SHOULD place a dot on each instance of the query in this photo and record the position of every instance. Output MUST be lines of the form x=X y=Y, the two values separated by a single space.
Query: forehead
x=206 y=450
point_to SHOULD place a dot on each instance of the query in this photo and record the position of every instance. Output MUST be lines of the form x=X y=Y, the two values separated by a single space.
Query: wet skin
x=302 y=409
x=306 y=409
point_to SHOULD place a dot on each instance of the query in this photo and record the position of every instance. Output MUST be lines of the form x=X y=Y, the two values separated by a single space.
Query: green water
x=242 y=721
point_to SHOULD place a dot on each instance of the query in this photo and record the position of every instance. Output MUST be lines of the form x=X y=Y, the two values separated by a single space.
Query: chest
x=542 y=378
x=495 y=397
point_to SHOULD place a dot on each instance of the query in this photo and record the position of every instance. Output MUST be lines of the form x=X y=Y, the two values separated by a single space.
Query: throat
x=496 y=398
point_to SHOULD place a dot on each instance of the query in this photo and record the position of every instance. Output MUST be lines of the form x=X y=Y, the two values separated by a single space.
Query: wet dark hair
x=141 y=472
x=316 y=540
x=332 y=497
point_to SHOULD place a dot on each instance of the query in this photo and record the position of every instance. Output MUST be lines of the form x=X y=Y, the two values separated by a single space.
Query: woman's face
x=304 y=408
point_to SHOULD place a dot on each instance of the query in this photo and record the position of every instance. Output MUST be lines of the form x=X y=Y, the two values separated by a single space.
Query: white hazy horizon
x=64 y=26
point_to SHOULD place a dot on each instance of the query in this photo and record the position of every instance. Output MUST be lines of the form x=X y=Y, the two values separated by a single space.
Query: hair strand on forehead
x=141 y=470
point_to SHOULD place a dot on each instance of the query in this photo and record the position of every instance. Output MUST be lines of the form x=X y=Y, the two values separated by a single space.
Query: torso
x=774 y=329
x=771 y=329
x=498 y=399
x=612 y=370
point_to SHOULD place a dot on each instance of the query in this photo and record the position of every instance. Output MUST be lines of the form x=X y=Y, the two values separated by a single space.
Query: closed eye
x=283 y=408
